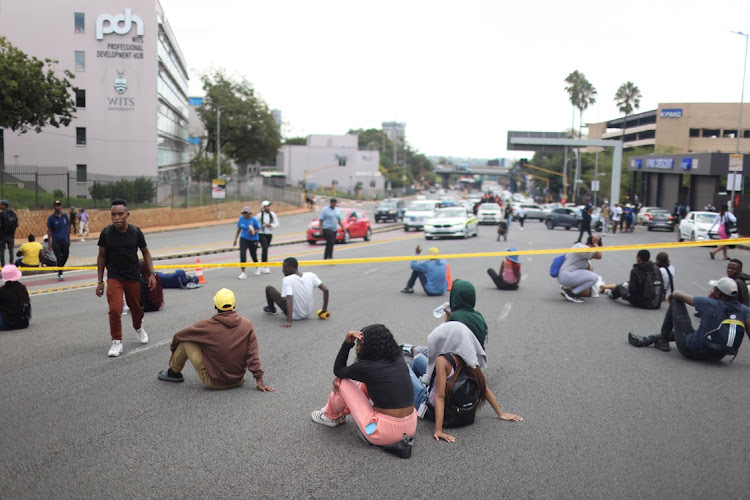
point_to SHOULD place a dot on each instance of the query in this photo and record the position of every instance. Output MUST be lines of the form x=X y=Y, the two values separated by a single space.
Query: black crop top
x=388 y=382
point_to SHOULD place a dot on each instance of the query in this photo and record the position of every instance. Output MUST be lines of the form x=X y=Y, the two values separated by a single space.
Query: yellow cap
x=433 y=251
x=224 y=300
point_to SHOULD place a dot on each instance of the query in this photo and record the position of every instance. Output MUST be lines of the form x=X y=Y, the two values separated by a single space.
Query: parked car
x=644 y=214
x=489 y=213
x=390 y=209
x=356 y=225
x=660 y=219
x=532 y=211
x=454 y=221
x=568 y=217
x=418 y=212
x=695 y=226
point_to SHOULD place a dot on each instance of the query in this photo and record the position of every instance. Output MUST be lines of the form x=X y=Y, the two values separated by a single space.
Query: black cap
x=57 y=202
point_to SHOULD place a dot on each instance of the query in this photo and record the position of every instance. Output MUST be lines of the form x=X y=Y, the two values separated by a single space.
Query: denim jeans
x=413 y=279
x=417 y=369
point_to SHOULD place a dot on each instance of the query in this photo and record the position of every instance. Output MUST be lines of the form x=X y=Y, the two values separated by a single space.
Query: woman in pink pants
x=381 y=375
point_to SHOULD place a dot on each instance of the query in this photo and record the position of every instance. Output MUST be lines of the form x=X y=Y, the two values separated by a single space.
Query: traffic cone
x=199 y=272
x=448 y=276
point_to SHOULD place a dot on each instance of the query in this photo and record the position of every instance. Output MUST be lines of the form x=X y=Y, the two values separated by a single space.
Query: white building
x=132 y=112
x=328 y=158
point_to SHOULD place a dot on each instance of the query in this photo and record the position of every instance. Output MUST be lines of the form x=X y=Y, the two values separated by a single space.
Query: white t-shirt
x=665 y=278
x=616 y=213
x=301 y=288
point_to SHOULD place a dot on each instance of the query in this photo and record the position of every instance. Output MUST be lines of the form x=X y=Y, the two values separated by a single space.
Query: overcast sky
x=461 y=74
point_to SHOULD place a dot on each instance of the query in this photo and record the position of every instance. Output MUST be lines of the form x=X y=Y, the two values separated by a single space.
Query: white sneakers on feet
x=141 y=335
x=266 y=270
x=116 y=349
x=257 y=271
x=318 y=417
x=242 y=276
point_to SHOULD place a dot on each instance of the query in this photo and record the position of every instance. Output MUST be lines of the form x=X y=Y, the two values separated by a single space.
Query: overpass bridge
x=485 y=172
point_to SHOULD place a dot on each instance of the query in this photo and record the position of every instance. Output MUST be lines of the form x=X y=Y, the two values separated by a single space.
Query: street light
x=218 y=156
x=742 y=101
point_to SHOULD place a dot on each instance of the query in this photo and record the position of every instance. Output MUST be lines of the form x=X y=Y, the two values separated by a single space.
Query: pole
x=739 y=125
x=218 y=157
x=565 y=175
x=596 y=173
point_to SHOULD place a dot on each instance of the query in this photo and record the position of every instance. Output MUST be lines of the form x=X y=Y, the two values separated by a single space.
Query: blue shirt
x=434 y=270
x=712 y=314
x=245 y=225
x=58 y=226
x=329 y=218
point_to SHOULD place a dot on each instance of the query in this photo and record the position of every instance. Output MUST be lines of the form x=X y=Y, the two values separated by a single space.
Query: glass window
x=81 y=173
x=81 y=136
x=80 y=23
x=80 y=57
x=80 y=98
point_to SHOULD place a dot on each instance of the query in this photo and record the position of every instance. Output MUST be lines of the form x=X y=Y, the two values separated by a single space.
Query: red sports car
x=356 y=225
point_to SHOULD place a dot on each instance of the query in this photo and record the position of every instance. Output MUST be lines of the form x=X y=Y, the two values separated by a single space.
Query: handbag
x=730 y=227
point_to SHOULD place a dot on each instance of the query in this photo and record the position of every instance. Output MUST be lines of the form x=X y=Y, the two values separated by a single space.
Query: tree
x=204 y=168
x=296 y=141
x=249 y=133
x=628 y=98
x=582 y=94
x=573 y=89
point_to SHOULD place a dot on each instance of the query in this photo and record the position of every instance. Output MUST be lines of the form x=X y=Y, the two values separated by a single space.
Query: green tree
x=296 y=141
x=628 y=98
x=204 y=168
x=144 y=190
x=574 y=80
x=99 y=191
x=249 y=133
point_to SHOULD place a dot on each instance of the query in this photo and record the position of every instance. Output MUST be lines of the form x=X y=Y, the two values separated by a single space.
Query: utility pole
x=218 y=157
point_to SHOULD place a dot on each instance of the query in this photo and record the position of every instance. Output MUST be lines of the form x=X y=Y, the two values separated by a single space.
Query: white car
x=489 y=213
x=695 y=226
x=418 y=212
x=531 y=210
x=452 y=221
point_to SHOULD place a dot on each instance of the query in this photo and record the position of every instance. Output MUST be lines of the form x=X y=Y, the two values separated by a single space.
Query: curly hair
x=378 y=344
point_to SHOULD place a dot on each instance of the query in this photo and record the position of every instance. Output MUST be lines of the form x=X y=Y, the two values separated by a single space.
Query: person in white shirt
x=667 y=272
x=296 y=296
x=268 y=222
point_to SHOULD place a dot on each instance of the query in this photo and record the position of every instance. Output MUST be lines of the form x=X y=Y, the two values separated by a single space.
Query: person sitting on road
x=50 y=259
x=734 y=271
x=509 y=276
x=451 y=349
x=221 y=349
x=707 y=342
x=463 y=298
x=152 y=299
x=667 y=273
x=431 y=273
x=15 y=305
x=575 y=274
x=178 y=279
x=31 y=253
x=645 y=288
x=296 y=297
x=380 y=375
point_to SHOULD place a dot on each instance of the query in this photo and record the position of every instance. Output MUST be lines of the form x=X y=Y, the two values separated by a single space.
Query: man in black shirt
x=118 y=251
x=586 y=221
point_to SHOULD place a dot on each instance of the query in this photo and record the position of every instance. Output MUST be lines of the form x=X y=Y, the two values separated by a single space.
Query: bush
x=58 y=194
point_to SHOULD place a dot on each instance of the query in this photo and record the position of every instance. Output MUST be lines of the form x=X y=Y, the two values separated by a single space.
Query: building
x=131 y=98
x=330 y=159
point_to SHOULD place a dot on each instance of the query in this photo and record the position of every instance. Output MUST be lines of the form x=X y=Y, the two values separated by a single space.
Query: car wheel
x=427 y=237
x=692 y=236
x=550 y=224
x=312 y=242
x=347 y=238
x=650 y=228
x=679 y=236
x=567 y=228
x=671 y=230
x=407 y=228
x=368 y=235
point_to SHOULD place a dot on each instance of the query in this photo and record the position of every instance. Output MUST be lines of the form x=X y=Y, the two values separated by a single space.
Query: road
x=602 y=419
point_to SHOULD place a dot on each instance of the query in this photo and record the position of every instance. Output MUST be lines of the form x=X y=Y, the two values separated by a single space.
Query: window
x=81 y=173
x=746 y=134
x=79 y=22
x=710 y=132
x=81 y=136
x=80 y=57
x=732 y=134
x=695 y=132
x=80 y=98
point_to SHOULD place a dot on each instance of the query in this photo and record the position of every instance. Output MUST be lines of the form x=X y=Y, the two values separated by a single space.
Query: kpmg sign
x=671 y=113
x=660 y=163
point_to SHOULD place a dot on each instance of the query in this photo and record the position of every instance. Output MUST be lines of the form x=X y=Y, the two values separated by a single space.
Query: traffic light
x=522 y=162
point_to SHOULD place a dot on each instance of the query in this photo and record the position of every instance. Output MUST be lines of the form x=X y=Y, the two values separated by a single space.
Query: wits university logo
x=120 y=103
x=120 y=24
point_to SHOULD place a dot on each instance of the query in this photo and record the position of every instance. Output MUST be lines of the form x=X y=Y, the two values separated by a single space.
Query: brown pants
x=191 y=351
x=132 y=291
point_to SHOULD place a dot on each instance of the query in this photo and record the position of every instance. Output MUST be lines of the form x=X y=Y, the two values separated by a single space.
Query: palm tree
x=586 y=97
x=574 y=83
x=628 y=98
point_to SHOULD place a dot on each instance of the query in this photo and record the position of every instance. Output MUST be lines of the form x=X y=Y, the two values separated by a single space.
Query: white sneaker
x=266 y=270
x=141 y=335
x=125 y=309
x=60 y=277
x=83 y=240
x=257 y=271
x=242 y=276
x=116 y=349
x=318 y=417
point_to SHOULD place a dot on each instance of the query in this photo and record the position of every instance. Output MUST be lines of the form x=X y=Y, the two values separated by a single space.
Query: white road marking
x=368 y=272
x=147 y=347
x=506 y=311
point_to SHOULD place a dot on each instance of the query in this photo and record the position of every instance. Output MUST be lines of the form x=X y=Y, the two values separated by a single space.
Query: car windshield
x=444 y=214
x=388 y=204
x=705 y=218
x=420 y=206
x=660 y=213
x=491 y=206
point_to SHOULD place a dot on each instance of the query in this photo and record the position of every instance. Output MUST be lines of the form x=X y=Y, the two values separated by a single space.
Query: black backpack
x=653 y=289
x=10 y=222
x=462 y=401
x=727 y=337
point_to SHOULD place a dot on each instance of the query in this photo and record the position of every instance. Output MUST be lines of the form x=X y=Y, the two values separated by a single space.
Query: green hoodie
x=462 y=302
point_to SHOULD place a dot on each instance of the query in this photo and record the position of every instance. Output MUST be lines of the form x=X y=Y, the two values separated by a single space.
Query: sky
x=461 y=74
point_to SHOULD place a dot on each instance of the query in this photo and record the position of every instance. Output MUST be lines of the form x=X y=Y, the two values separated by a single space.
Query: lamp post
x=742 y=101
x=218 y=156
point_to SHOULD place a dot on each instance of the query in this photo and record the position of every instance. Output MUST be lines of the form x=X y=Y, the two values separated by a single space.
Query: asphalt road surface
x=602 y=419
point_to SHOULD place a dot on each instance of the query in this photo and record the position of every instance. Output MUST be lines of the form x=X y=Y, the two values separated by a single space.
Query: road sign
x=595 y=185
x=734 y=182
x=218 y=189
x=735 y=163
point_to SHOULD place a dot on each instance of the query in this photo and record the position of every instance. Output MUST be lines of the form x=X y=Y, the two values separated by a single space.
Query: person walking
x=521 y=216
x=118 y=252
x=57 y=234
x=330 y=220
x=84 y=223
x=73 y=218
x=8 y=226
x=268 y=222
x=605 y=218
x=586 y=221
x=616 y=215
x=247 y=229
x=726 y=222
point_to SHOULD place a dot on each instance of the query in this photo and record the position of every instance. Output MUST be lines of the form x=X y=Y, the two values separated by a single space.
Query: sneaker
x=407 y=290
x=318 y=417
x=268 y=310
x=407 y=348
x=82 y=240
x=257 y=271
x=169 y=376
x=571 y=296
x=242 y=276
x=141 y=335
x=116 y=349
x=60 y=276
x=608 y=293
x=266 y=270
x=125 y=309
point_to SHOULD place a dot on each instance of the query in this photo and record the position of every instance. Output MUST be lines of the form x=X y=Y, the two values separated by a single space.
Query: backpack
x=729 y=226
x=653 y=289
x=554 y=269
x=727 y=337
x=10 y=222
x=462 y=401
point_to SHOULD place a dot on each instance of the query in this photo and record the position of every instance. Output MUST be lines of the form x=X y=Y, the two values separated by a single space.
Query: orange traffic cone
x=199 y=273
x=448 y=276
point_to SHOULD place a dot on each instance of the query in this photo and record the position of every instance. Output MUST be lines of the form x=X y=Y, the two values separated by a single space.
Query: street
x=602 y=419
